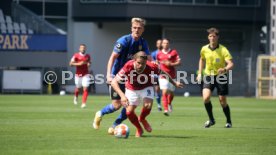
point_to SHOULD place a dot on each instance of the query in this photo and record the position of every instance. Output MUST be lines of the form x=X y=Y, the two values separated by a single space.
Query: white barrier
x=17 y=80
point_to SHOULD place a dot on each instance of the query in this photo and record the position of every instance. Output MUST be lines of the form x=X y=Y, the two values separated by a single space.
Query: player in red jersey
x=168 y=59
x=82 y=62
x=139 y=76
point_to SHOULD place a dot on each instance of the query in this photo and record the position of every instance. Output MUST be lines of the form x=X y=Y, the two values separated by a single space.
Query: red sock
x=133 y=119
x=76 y=92
x=165 y=101
x=84 y=96
x=170 y=98
x=144 y=113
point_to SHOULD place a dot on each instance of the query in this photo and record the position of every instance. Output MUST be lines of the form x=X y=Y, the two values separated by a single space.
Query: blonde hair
x=138 y=20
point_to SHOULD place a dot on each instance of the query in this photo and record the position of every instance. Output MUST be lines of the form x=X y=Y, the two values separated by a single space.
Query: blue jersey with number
x=126 y=47
x=154 y=55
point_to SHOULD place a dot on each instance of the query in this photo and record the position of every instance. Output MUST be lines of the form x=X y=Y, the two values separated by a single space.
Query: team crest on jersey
x=140 y=47
x=119 y=46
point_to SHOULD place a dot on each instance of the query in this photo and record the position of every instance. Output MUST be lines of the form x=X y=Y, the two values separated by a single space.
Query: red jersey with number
x=171 y=56
x=138 y=81
x=83 y=69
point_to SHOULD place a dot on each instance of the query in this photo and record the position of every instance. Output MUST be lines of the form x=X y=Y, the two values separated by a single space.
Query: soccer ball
x=121 y=131
x=62 y=92
x=186 y=94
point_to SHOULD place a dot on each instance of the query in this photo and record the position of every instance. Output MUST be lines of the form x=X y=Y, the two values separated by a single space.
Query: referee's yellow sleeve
x=227 y=55
x=202 y=53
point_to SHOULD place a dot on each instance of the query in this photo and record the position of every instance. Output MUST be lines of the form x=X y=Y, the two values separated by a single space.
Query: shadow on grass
x=255 y=128
x=168 y=136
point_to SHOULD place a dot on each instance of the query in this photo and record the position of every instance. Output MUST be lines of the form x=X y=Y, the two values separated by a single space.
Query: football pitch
x=39 y=124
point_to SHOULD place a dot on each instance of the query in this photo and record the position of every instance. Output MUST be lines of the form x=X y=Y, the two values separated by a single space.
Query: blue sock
x=158 y=98
x=108 y=109
x=120 y=118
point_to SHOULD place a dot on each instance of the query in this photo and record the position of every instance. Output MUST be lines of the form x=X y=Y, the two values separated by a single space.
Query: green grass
x=35 y=124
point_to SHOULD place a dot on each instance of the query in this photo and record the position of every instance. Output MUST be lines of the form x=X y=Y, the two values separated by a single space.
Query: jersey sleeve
x=156 y=69
x=226 y=54
x=202 y=53
x=122 y=74
x=146 y=47
x=89 y=58
x=175 y=56
x=153 y=55
x=119 y=45
x=73 y=58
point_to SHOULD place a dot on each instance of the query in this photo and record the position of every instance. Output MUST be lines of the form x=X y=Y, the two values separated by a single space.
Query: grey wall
x=33 y=59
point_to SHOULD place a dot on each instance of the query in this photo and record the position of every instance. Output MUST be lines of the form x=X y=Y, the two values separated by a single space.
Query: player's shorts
x=218 y=81
x=135 y=96
x=82 y=81
x=165 y=84
x=113 y=94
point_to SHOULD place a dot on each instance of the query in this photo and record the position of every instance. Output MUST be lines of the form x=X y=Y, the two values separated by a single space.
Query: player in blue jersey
x=158 y=48
x=124 y=49
x=156 y=86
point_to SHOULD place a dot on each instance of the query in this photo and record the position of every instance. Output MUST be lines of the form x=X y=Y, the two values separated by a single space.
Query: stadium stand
x=23 y=28
x=27 y=44
x=2 y=19
x=8 y=19
x=16 y=28
x=3 y=28
x=8 y=26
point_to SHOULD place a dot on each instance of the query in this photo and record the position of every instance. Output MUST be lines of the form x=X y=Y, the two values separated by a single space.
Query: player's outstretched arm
x=175 y=83
x=200 y=68
x=110 y=63
x=73 y=63
x=228 y=67
x=176 y=63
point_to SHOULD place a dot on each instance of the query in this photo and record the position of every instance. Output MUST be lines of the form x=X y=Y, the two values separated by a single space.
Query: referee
x=217 y=61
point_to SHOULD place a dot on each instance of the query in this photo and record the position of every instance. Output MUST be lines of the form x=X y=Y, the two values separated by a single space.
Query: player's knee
x=148 y=105
x=165 y=91
x=223 y=104
x=117 y=104
x=206 y=99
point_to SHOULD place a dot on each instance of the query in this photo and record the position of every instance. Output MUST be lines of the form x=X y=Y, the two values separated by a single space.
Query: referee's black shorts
x=217 y=81
x=113 y=94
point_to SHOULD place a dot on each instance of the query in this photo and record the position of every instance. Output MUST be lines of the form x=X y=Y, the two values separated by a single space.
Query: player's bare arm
x=228 y=67
x=88 y=63
x=200 y=68
x=73 y=63
x=109 y=66
x=175 y=83
x=176 y=63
